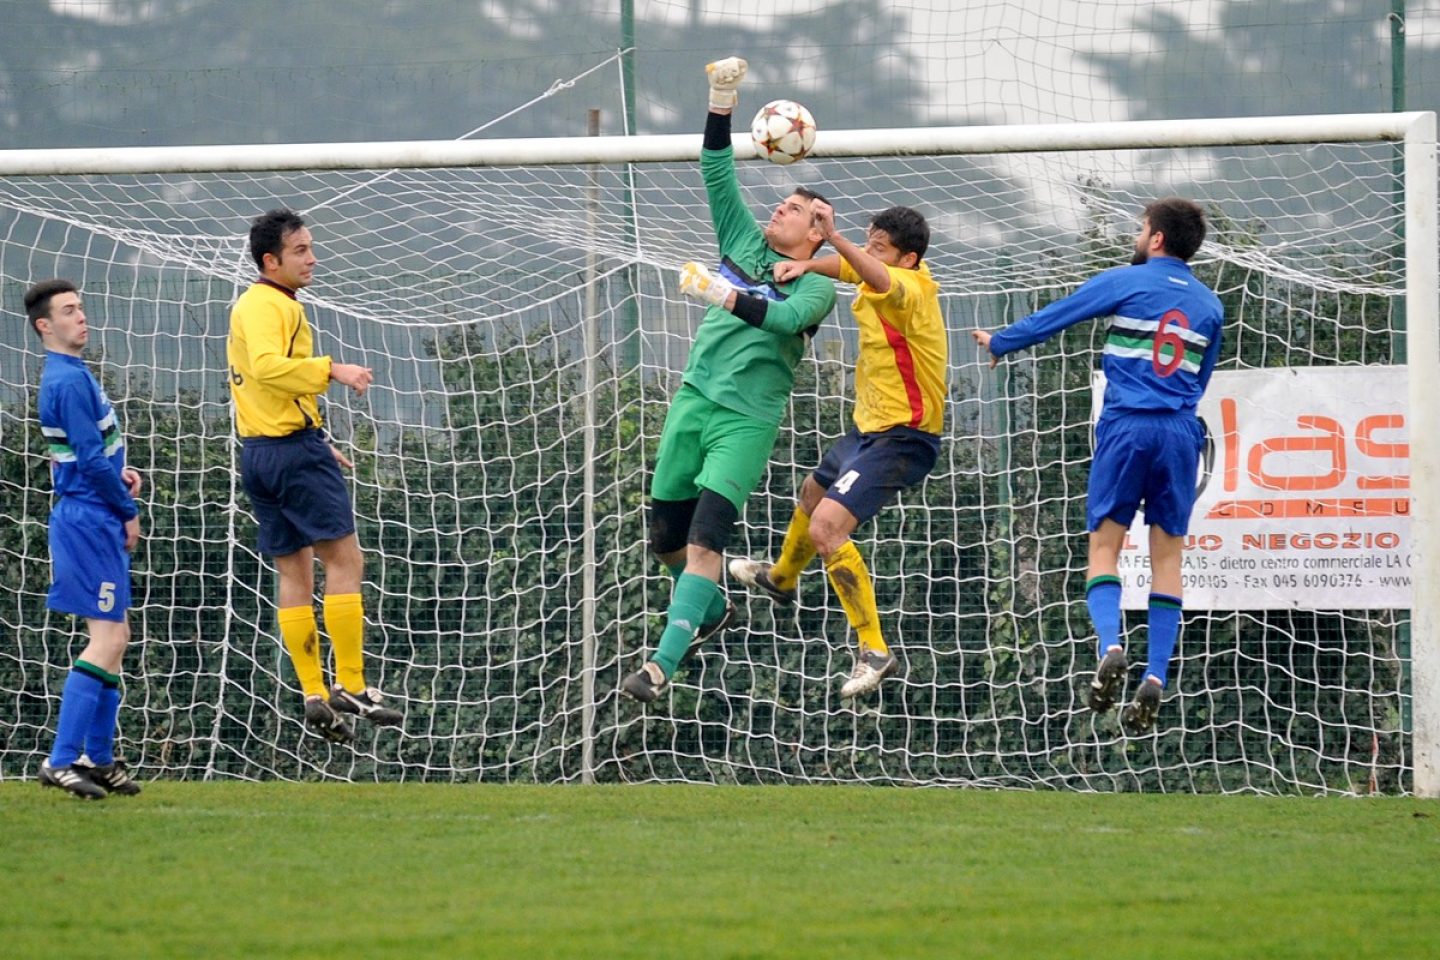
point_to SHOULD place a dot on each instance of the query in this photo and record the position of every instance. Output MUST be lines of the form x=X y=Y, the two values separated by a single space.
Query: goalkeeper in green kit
x=723 y=420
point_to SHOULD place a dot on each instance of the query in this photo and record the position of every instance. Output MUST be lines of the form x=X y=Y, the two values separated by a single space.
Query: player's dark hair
x=37 y=299
x=809 y=194
x=907 y=229
x=268 y=232
x=1181 y=221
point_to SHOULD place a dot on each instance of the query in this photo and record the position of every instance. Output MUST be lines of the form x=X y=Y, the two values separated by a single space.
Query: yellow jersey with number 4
x=904 y=352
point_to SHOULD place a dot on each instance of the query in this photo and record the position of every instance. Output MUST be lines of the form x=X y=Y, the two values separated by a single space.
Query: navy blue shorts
x=297 y=491
x=1149 y=459
x=89 y=565
x=863 y=472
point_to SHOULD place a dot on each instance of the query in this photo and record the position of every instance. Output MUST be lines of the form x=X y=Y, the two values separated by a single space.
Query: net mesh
x=490 y=303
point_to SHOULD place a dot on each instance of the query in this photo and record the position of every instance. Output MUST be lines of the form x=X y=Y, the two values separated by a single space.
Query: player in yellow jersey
x=900 y=391
x=291 y=473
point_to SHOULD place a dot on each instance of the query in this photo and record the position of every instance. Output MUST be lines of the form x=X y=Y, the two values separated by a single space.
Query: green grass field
x=403 y=870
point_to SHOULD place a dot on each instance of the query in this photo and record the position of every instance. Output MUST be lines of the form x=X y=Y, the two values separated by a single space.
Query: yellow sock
x=795 y=554
x=297 y=629
x=345 y=622
x=851 y=580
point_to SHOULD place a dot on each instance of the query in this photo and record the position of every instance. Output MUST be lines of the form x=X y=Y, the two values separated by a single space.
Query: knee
x=670 y=525
x=826 y=535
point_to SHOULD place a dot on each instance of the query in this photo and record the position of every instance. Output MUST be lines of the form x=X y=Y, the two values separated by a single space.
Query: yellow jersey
x=904 y=352
x=273 y=378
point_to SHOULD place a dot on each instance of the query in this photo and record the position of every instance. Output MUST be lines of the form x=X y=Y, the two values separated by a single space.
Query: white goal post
x=508 y=586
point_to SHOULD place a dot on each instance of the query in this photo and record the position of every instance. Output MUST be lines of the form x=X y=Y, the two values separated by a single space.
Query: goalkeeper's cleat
x=73 y=779
x=1108 y=679
x=645 y=684
x=322 y=720
x=368 y=704
x=114 y=777
x=1139 y=716
x=708 y=630
x=756 y=576
x=870 y=669
x=724 y=77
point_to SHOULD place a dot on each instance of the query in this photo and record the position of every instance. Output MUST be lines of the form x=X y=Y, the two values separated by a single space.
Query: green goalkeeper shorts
x=705 y=445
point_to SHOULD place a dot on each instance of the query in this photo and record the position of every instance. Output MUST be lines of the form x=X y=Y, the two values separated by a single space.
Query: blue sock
x=100 y=738
x=1164 y=629
x=77 y=708
x=693 y=596
x=1102 y=597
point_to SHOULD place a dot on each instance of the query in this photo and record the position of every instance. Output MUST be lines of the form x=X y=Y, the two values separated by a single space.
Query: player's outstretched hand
x=823 y=216
x=787 y=270
x=355 y=377
x=725 y=76
x=697 y=282
x=340 y=458
x=982 y=337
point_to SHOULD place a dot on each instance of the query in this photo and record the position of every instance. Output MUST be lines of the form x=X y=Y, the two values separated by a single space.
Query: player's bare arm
x=872 y=271
x=787 y=270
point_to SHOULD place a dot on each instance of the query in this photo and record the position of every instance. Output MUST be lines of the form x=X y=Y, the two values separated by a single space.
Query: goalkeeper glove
x=725 y=76
x=697 y=282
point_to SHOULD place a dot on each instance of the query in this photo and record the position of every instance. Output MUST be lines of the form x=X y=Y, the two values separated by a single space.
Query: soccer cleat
x=870 y=669
x=114 y=777
x=1139 y=716
x=1108 y=679
x=708 y=630
x=642 y=685
x=322 y=720
x=367 y=705
x=73 y=779
x=756 y=576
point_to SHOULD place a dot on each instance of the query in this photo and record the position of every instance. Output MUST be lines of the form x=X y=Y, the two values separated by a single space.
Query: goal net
x=517 y=301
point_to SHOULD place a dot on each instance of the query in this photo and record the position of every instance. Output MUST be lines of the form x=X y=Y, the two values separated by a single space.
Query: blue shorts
x=89 y=565
x=863 y=472
x=297 y=491
x=1149 y=459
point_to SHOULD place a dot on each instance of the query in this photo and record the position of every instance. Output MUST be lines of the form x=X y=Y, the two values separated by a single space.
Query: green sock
x=716 y=610
x=692 y=598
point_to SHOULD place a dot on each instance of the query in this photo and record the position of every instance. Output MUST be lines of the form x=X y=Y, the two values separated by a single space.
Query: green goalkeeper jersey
x=741 y=367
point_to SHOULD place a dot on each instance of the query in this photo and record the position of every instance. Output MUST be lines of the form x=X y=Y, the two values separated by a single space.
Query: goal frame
x=1415 y=130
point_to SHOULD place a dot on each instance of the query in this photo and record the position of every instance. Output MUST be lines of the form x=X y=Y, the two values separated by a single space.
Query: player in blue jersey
x=1160 y=349
x=94 y=525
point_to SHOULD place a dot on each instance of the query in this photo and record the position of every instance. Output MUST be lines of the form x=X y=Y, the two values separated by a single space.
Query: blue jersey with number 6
x=1162 y=341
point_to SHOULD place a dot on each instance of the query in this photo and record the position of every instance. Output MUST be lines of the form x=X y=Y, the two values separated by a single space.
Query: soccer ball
x=783 y=131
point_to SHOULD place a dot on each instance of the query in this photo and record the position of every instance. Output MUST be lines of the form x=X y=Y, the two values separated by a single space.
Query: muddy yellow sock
x=297 y=629
x=851 y=580
x=795 y=554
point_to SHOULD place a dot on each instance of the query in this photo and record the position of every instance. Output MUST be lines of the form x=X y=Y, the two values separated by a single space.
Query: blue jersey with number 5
x=1162 y=341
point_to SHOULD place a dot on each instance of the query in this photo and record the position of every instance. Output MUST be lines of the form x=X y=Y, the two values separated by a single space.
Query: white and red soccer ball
x=783 y=131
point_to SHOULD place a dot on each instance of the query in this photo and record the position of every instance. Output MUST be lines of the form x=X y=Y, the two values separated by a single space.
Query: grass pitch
x=410 y=870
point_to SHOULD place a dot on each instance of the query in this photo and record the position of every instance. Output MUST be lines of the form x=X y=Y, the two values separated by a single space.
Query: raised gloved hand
x=697 y=282
x=725 y=76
